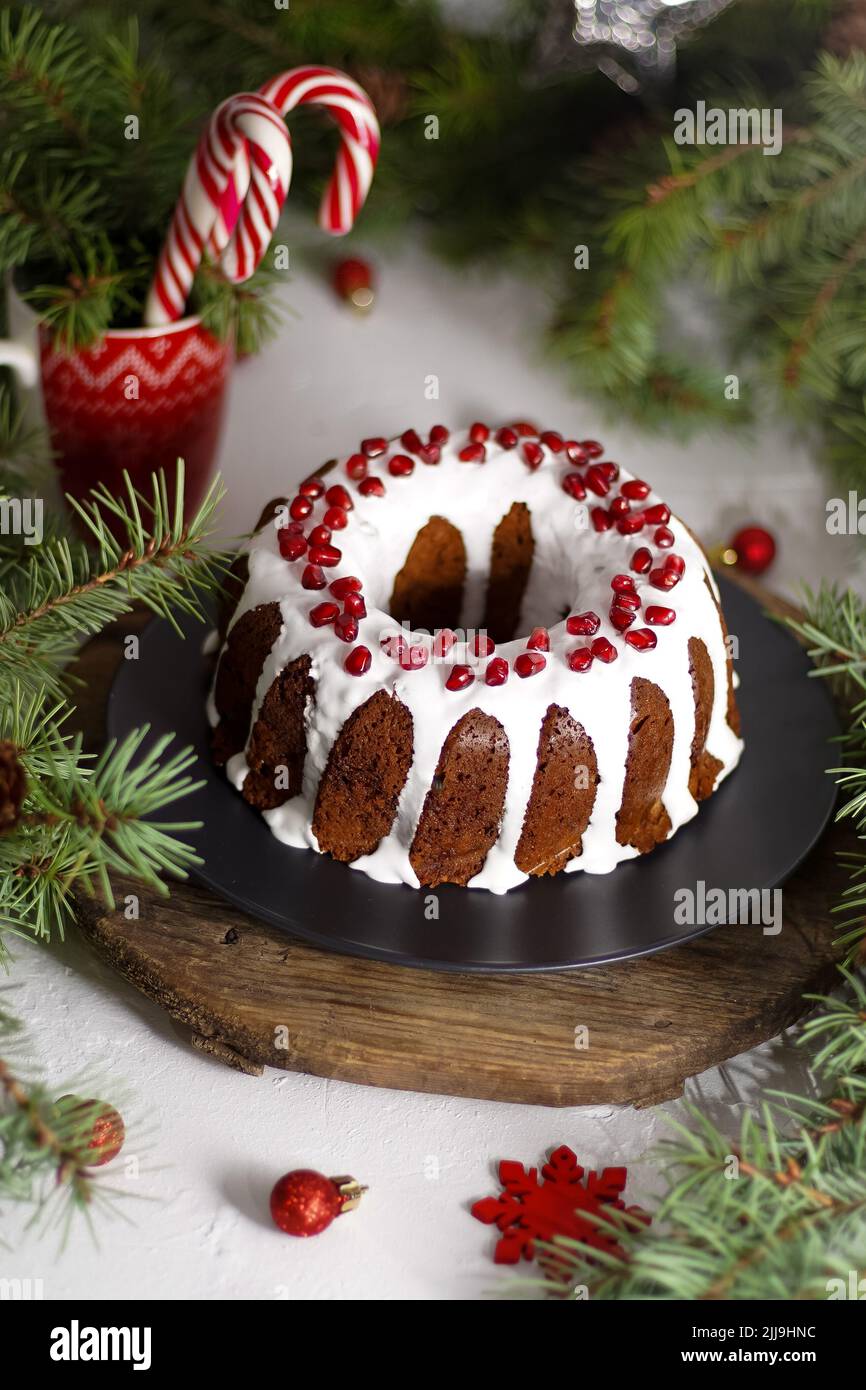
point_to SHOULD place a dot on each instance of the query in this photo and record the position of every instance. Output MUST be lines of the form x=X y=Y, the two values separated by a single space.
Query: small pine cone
x=387 y=91
x=13 y=786
x=846 y=32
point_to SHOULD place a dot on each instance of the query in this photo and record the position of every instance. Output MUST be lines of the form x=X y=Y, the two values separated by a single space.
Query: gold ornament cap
x=351 y=1191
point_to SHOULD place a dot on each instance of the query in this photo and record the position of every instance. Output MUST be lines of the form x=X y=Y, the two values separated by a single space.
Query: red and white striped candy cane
x=349 y=184
x=247 y=135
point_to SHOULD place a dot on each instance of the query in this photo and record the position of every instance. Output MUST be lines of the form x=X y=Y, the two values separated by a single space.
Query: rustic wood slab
x=253 y=997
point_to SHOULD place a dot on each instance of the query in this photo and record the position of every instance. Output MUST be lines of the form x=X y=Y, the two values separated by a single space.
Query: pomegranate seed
x=459 y=678
x=659 y=515
x=320 y=535
x=443 y=641
x=473 y=453
x=324 y=613
x=400 y=466
x=311 y=487
x=354 y=604
x=675 y=563
x=478 y=433
x=592 y=448
x=622 y=584
x=372 y=487
x=529 y=664
x=294 y=528
x=580 y=659
x=609 y=471
x=630 y=525
x=394 y=646
x=641 y=639
x=533 y=454
x=603 y=650
x=291 y=547
x=621 y=617
x=663 y=537
x=663 y=579
x=524 y=428
x=642 y=560
x=636 y=490
x=539 y=639
x=573 y=485
x=506 y=438
x=575 y=453
x=596 y=481
x=338 y=496
x=347 y=585
x=554 y=441
x=411 y=441
x=497 y=671
x=356 y=467
x=483 y=645
x=358 y=661
x=413 y=658
x=313 y=578
x=300 y=508
x=583 y=624
x=430 y=453
x=660 y=617
x=346 y=627
x=620 y=506
x=439 y=435
x=600 y=519
x=374 y=447
x=628 y=601
x=327 y=555
x=336 y=518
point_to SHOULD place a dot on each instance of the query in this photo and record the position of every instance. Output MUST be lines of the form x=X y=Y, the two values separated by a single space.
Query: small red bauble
x=95 y=1128
x=304 y=1203
x=353 y=281
x=755 y=549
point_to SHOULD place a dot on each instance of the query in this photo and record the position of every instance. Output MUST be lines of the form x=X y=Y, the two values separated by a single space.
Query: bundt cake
x=474 y=659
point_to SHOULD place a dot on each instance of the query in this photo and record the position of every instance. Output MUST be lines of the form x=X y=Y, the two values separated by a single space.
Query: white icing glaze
x=571 y=573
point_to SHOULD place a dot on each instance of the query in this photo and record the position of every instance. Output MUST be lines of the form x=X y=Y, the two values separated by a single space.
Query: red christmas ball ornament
x=752 y=550
x=304 y=1203
x=96 y=1128
x=353 y=281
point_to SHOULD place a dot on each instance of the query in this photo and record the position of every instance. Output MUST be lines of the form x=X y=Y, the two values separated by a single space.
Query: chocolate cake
x=474 y=659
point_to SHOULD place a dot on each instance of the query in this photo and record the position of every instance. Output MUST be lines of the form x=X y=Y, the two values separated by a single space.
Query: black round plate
x=751 y=834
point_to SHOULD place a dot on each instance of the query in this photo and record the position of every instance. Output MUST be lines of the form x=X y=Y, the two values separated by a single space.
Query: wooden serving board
x=253 y=997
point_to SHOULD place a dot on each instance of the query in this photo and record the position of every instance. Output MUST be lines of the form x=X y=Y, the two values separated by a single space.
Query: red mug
x=137 y=400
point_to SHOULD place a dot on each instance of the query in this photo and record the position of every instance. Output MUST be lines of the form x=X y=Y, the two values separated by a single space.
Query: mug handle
x=21 y=359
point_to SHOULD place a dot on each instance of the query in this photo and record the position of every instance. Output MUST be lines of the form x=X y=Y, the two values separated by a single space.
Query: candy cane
x=245 y=138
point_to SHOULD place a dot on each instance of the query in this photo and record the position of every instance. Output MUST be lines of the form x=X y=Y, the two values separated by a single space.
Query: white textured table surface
x=208 y=1143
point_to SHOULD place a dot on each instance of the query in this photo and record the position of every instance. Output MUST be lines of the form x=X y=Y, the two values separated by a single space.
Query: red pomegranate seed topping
x=592 y=448
x=374 y=447
x=663 y=579
x=320 y=535
x=596 y=481
x=400 y=466
x=347 y=585
x=459 y=678
x=473 y=453
x=663 y=537
x=483 y=645
x=339 y=496
x=533 y=454
x=583 y=624
x=478 y=433
x=621 y=616
x=394 y=646
x=324 y=613
x=630 y=525
x=642 y=639
x=327 y=555
x=294 y=528
x=636 y=490
x=313 y=578
x=413 y=658
x=300 y=508
x=529 y=664
x=575 y=453
x=336 y=518
x=372 y=487
x=603 y=650
x=539 y=639
x=439 y=435
x=622 y=584
x=311 y=487
x=356 y=467
x=573 y=485
x=524 y=428
x=506 y=438
x=554 y=441
x=429 y=453
x=443 y=641
x=628 y=601
x=642 y=560
x=659 y=515
x=358 y=661
x=580 y=659
x=601 y=519
x=497 y=671
x=411 y=441
x=354 y=604
x=291 y=547
x=675 y=563
x=346 y=627
x=660 y=617
x=620 y=506
x=610 y=471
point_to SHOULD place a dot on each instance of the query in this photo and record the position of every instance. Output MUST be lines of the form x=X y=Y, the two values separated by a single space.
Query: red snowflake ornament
x=528 y=1210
